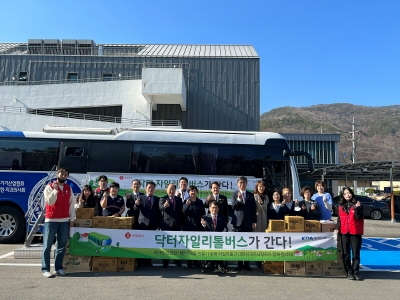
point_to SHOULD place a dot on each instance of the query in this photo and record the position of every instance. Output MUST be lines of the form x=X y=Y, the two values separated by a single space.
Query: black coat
x=273 y=215
x=148 y=216
x=171 y=217
x=192 y=216
x=223 y=206
x=221 y=223
x=244 y=212
x=130 y=203
x=308 y=213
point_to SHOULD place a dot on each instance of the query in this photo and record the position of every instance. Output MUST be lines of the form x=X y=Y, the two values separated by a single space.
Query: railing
x=97 y=50
x=62 y=81
x=89 y=117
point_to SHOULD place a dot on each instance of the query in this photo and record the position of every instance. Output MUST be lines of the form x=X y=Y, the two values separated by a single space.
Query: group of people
x=181 y=209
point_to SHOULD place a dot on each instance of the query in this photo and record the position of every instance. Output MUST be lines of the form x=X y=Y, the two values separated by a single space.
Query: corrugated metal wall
x=223 y=93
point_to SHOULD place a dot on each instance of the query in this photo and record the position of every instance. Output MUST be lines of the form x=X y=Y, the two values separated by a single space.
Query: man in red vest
x=60 y=215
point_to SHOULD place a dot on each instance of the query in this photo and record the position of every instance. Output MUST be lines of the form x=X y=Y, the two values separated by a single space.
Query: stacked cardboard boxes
x=123 y=222
x=299 y=268
x=294 y=224
x=76 y=263
x=273 y=267
x=276 y=226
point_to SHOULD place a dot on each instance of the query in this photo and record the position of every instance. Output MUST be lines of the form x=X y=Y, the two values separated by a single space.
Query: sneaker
x=60 y=272
x=357 y=276
x=48 y=274
x=350 y=276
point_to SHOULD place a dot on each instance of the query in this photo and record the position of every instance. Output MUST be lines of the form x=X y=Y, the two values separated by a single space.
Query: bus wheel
x=12 y=225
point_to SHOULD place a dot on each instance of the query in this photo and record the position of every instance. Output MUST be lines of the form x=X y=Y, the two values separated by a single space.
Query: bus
x=101 y=242
x=148 y=154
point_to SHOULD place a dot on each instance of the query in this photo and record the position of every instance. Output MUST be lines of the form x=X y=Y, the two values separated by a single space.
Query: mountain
x=378 y=128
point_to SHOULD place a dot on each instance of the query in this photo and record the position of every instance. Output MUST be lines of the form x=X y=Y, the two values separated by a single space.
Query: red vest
x=348 y=222
x=60 y=209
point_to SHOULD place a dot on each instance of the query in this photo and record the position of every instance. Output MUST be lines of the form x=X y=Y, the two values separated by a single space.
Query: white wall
x=164 y=86
x=127 y=93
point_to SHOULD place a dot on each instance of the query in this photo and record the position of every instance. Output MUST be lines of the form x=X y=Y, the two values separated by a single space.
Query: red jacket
x=349 y=223
x=60 y=209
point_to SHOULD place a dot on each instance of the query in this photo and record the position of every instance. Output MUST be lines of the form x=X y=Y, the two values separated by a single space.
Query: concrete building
x=84 y=84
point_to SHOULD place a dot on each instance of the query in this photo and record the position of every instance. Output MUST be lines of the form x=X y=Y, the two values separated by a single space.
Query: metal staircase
x=34 y=221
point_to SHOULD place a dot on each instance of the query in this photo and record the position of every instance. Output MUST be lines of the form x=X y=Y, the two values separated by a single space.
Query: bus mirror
x=310 y=161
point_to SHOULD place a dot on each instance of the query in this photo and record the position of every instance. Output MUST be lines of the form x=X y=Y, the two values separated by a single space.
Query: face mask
x=61 y=180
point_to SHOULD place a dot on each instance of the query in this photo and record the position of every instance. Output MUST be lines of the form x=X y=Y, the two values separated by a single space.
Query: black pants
x=351 y=242
x=243 y=228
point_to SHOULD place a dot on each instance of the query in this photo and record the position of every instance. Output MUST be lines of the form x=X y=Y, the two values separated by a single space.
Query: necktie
x=216 y=198
x=244 y=198
x=172 y=201
x=149 y=199
x=214 y=219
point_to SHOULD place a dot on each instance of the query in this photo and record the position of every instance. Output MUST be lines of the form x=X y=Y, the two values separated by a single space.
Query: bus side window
x=74 y=151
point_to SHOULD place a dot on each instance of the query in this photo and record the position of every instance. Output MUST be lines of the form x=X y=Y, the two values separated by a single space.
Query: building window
x=72 y=77
x=107 y=77
x=23 y=76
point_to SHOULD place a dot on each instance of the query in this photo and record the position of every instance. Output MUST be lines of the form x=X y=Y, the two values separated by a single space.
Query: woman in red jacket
x=350 y=226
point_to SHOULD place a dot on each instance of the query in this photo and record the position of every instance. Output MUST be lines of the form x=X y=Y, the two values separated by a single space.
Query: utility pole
x=353 y=150
x=353 y=140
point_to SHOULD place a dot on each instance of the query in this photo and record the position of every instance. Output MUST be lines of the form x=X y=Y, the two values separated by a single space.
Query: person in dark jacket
x=193 y=210
x=130 y=201
x=309 y=207
x=350 y=227
x=99 y=192
x=245 y=211
x=171 y=215
x=292 y=206
x=86 y=199
x=214 y=222
x=276 y=211
x=148 y=212
x=221 y=200
x=113 y=204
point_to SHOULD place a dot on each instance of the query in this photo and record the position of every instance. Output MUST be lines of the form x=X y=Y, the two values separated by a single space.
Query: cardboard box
x=334 y=268
x=104 y=264
x=123 y=221
x=276 y=226
x=126 y=264
x=328 y=226
x=102 y=222
x=294 y=224
x=85 y=223
x=84 y=213
x=121 y=227
x=76 y=263
x=312 y=226
x=314 y=268
x=295 y=268
x=273 y=267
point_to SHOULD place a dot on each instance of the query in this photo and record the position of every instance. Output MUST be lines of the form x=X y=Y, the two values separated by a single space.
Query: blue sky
x=311 y=52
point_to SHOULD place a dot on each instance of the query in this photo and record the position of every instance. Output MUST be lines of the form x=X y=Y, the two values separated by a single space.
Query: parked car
x=374 y=209
x=396 y=203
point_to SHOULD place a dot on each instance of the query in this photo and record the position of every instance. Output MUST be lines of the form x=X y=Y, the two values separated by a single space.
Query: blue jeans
x=52 y=229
